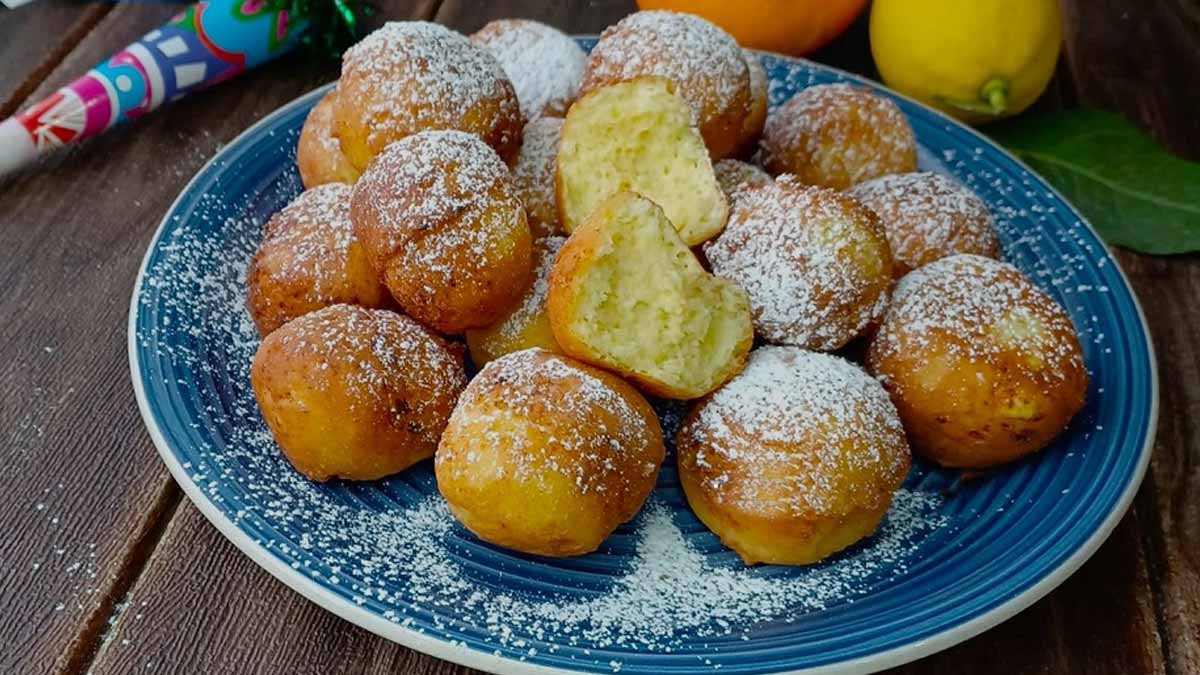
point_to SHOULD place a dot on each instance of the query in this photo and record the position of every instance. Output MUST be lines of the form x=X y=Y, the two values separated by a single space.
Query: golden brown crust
x=527 y=324
x=318 y=153
x=794 y=459
x=756 y=118
x=836 y=135
x=412 y=76
x=815 y=263
x=704 y=61
x=983 y=366
x=309 y=258
x=355 y=393
x=547 y=455
x=927 y=217
x=438 y=218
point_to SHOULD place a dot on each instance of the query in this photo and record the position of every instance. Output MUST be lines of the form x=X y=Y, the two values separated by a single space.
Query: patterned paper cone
x=207 y=43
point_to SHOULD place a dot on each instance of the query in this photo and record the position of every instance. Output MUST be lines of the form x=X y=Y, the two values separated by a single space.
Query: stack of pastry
x=598 y=228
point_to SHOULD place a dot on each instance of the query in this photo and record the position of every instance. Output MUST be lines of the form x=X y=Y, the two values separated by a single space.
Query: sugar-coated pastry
x=309 y=258
x=928 y=216
x=703 y=61
x=527 y=324
x=534 y=174
x=837 y=135
x=626 y=294
x=411 y=76
x=983 y=366
x=547 y=455
x=794 y=459
x=356 y=393
x=733 y=175
x=752 y=128
x=638 y=135
x=544 y=64
x=814 y=262
x=318 y=154
x=438 y=217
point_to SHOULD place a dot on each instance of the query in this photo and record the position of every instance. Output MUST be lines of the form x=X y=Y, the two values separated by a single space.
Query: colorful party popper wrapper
x=207 y=43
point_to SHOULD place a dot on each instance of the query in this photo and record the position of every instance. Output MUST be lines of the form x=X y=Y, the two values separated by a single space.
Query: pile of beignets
x=596 y=228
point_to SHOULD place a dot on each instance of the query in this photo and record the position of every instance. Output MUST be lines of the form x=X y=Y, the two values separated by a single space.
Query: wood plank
x=1143 y=59
x=571 y=16
x=34 y=39
x=82 y=483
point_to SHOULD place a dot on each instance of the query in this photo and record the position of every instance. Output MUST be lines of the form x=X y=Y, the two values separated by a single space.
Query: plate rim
x=489 y=662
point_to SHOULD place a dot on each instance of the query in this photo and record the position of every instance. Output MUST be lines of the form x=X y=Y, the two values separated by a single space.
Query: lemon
x=978 y=60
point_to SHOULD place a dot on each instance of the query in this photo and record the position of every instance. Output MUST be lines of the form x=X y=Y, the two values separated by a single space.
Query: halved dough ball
x=309 y=258
x=527 y=324
x=815 y=263
x=703 y=61
x=534 y=173
x=547 y=455
x=628 y=295
x=411 y=76
x=928 y=216
x=544 y=64
x=836 y=135
x=983 y=366
x=752 y=128
x=356 y=393
x=794 y=459
x=318 y=154
x=734 y=175
x=638 y=136
x=441 y=224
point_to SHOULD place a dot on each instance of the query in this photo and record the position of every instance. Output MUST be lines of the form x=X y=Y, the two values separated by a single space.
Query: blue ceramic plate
x=662 y=596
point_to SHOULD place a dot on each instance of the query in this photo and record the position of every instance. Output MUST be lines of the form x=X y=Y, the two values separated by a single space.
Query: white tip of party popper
x=16 y=146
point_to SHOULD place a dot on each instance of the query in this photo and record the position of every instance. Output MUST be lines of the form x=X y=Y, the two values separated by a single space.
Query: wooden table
x=106 y=568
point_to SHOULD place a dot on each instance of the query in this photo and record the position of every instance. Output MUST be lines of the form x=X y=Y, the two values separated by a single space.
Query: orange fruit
x=787 y=26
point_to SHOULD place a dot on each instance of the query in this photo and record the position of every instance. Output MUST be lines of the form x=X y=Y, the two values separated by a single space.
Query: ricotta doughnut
x=534 y=173
x=318 y=154
x=794 y=459
x=527 y=324
x=752 y=128
x=733 y=175
x=546 y=455
x=441 y=224
x=544 y=64
x=983 y=366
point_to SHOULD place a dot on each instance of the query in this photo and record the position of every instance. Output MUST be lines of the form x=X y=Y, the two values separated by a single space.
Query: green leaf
x=1136 y=194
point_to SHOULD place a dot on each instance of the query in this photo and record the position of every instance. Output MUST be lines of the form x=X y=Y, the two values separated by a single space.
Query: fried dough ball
x=356 y=393
x=752 y=128
x=815 y=263
x=411 y=76
x=309 y=258
x=438 y=218
x=626 y=294
x=794 y=459
x=703 y=61
x=544 y=64
x=318 y=153
x=534 y=173
x=983 y=366
x=547 y=455
x=928 y=216
x=638 y=135
x=526 y=325
x=836 y=135
x=733 y=175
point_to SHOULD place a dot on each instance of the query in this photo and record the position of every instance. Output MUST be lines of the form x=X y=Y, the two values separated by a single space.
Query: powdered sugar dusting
x=798 y=253
x=423 y=72
x=928 y=216
x=703 y=60
x=534 y=301
x=533 y=175
x=798 y=434
x=846 y=133
x=544 y=64
x=733 y=175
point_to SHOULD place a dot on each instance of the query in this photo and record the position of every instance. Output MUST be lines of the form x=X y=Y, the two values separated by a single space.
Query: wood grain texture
x=33 y=40
x=147 y=585
x=1142 y=59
